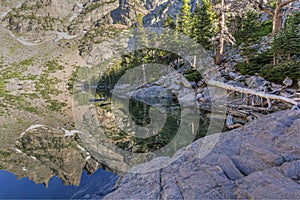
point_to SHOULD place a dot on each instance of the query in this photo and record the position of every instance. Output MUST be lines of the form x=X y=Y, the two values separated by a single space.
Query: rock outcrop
x=43 y=152
x=154 y=12
x=259 y=160
x=46 y=20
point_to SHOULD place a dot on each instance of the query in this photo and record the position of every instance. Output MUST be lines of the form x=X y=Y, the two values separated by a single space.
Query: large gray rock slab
x=259 y=160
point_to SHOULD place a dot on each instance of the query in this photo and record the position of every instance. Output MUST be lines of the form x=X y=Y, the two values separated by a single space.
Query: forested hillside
x=265 y=34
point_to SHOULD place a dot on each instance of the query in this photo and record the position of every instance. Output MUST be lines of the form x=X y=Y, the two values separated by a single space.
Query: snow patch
x=3 y=15
x=73 y=17
x=80 y=147
x=31 y=128
x=24 y=169
x=64 y=35
x=22 y=41
x=34 y=158
x=69 y=133
x=87 y=158
x=18 y=150
x=80 y=6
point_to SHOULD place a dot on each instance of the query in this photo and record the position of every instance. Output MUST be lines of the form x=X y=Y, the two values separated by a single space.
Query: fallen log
x=249 y=107
x=251 y=92
x=237 y=113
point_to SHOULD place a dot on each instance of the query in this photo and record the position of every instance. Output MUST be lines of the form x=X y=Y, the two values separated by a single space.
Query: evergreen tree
x=169 y=22
x=203 y=24
x=286 y=43
x=184 y=22
x=250 y=33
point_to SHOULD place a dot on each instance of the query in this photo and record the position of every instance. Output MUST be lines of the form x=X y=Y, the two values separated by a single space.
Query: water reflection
x=42 y=153
x=93 y=186
x=140 y=125
x=140 y=119
x=124 y=132
x=51 y=163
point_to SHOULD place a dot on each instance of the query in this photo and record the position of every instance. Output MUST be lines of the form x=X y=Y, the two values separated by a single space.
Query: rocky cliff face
x=43 y=152
x=260 y=160
x=37 y=19
x=83 y=22
x=153 y=12
x=40 y=20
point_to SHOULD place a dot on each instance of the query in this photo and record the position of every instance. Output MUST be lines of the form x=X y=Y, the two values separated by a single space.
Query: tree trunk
x=276 y=13
x=220 y=48
x=195 y=61
x=277 y=18
x=247 y=60
x=144 y=74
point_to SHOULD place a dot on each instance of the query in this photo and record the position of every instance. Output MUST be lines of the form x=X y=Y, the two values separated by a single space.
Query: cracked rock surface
x=259 y=160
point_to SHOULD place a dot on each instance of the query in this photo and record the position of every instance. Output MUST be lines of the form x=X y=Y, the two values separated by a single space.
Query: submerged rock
x=153 y=95
x=259 y=160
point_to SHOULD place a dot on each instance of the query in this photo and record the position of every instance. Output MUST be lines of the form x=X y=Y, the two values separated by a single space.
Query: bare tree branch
x=282 y=4
x=266 y=9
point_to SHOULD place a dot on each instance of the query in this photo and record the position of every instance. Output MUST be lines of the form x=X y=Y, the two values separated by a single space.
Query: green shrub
x=31 y=109
x=251 y=29
x=27 y=62
x=192 y=75
x=278 y=73
x=53 y=66
x=56 y=106
x=255 y=65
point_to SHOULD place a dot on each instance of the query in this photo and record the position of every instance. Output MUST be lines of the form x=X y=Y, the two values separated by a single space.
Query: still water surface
x=93 y=186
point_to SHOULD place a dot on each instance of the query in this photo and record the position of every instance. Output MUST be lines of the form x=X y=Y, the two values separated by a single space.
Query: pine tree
x=248 y=34
x=169 y=22
x=286 y=43
x=184 y=22
x=203 y=24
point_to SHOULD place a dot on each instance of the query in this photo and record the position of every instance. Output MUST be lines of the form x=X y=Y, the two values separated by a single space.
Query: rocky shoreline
x=259 y=160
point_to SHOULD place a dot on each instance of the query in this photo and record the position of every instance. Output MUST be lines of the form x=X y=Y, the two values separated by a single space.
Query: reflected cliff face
x=90 y=187
x=42 y=152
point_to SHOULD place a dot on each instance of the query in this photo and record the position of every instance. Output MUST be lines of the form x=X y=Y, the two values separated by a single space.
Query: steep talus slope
x=260 y=160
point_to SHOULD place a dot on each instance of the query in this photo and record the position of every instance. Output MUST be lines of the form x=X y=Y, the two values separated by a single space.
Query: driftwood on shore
x=247 y=110
x=247 y=91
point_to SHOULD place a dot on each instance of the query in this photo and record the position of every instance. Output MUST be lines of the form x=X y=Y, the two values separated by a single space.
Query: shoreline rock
x=259 y=160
